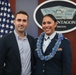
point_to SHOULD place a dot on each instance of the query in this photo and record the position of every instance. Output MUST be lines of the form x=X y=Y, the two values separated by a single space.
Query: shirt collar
x=18 y=37
x=51 y=36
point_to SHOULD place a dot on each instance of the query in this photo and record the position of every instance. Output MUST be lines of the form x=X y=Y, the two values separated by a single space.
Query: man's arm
x=2 y=55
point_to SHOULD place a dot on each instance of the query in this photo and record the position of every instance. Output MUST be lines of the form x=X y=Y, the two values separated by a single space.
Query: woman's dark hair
x=51 y=16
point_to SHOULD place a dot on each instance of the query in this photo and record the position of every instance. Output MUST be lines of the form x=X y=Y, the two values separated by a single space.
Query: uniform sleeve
x=67 y=57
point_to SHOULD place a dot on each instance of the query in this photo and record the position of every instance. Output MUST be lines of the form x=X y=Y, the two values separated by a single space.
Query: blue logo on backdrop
x=64 y=11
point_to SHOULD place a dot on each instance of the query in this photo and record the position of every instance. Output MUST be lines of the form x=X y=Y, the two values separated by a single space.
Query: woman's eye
x=48 y=22
x=44 y=23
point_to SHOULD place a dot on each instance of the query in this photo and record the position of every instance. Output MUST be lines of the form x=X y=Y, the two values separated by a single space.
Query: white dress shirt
x=47 y=40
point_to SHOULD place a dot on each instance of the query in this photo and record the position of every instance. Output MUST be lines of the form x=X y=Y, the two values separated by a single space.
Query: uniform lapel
x=51 y=45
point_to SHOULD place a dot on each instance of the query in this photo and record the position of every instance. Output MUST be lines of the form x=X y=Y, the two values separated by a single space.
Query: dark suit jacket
x=60 y=64
x=9 y=53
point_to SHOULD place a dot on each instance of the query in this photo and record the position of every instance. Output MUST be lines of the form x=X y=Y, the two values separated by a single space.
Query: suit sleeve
x=67 y=57
x=2 y=55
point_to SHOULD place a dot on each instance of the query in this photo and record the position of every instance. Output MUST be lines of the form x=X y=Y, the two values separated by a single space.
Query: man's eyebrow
x=24 y=20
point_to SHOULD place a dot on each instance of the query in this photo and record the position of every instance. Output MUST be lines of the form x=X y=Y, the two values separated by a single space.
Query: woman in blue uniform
x=53 y=54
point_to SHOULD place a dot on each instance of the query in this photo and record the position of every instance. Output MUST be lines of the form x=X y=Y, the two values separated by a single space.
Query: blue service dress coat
x=60 y=64
x=9 y=53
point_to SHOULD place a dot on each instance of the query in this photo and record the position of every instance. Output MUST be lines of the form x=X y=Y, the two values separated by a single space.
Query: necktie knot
x=47 y=38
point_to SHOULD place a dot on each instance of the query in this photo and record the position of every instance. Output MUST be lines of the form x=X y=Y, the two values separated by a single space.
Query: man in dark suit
x=53 y=54
x=16 y=49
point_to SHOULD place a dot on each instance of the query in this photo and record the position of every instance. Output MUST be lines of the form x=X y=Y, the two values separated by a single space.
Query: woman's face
x=48 y=25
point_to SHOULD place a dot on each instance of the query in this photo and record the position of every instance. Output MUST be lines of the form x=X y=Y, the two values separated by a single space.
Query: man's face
x=21 y=23
x=48 y=25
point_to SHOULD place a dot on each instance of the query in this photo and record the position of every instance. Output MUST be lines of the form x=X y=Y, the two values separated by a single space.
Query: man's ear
x=56 y=24
x=14 y=22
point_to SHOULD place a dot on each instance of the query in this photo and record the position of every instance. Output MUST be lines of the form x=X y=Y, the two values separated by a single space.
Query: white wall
x=29 y=6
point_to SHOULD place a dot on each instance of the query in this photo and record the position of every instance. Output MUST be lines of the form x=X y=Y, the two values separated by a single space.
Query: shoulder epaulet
x=65 y=38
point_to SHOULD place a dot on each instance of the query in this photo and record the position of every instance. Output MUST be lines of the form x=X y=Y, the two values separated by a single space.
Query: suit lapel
x=15 y=45
x=31 y=42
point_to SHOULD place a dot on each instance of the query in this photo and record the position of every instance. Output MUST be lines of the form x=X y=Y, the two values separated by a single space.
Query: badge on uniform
x=59 y=49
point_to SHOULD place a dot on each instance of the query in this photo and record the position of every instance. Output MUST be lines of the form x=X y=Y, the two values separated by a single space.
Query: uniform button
x=43 y=70
x=43 y=64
